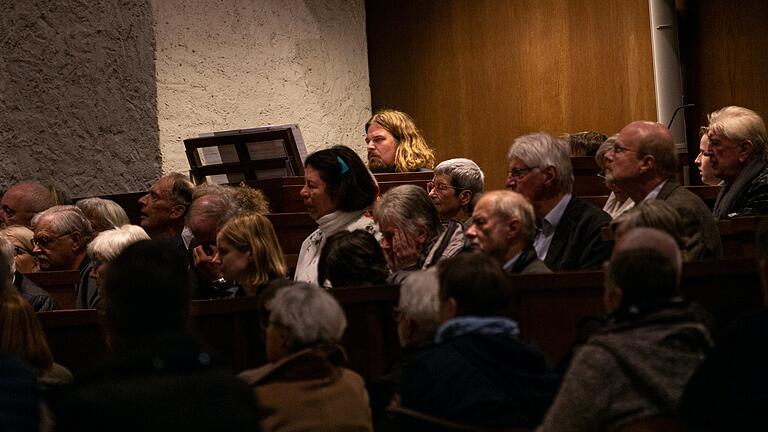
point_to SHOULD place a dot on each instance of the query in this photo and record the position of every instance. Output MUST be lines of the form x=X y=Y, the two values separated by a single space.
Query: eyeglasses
x=617 y=149
x=19 y=250
x=441 y=187
x=44 y=241
x=601 y=175
x=519 y=173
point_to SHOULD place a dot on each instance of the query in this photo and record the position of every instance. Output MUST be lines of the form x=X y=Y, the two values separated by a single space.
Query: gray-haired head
x=308 y=314
x=212 y=206
x=652 y=238
x=509 y=205
x=108 y=244
x=739 y=124
x=656 y=214
x=103 y=214
x=181 y=189
x=464 y=174
x=66 y=219
x=407 y=207
x=541 y=150
x=420 y=303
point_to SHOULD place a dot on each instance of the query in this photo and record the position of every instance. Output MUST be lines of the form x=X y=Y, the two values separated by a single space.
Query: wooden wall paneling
x=477 y=74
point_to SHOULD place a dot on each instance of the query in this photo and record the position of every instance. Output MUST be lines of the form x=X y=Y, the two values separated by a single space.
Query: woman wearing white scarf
x=338 y=190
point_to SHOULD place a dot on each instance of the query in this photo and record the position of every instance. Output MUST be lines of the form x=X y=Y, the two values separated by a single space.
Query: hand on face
x=203 y=259
x=403 y=253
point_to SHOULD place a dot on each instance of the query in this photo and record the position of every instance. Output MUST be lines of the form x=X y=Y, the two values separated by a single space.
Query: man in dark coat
x=569 y=229
x=644 y=163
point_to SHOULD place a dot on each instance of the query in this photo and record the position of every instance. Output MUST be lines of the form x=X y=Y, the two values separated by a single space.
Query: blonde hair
x=254 y=232
x=412 y=151
x=21 y=333
x=22 y=234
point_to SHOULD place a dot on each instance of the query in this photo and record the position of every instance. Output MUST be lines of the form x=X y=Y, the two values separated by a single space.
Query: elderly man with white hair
x=569 y=229
x=637 y=366
x=62 y=234
x=503 y=227
x=738 y=146
x=455 y=188
x=305 y=386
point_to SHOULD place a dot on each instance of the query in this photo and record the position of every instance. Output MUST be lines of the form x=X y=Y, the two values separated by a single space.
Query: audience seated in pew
x=338 y=190
x=248 y=253
x=478 y=373
x=570 y=228
x=503 y=227
x=157 y=377
x=62 y=234
x=108 y=245
x=395 y=144
x=644 y=162
x=703 y=160
x=729 y=391
x=305 y=386
x=455 y=188
x=25 y=261
x=412 y=236
x=618 y=201
x=738 y=154
x=103 y=214
x=638 y=365
x=163 y=208
x=22 y=201
x=351 y=259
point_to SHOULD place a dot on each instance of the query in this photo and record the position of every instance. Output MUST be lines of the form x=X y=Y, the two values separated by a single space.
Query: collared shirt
x=548 y=225
x=655 y=192
x=511 y=263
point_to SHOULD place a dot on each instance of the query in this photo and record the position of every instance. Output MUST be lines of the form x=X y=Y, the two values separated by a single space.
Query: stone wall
x=98 y=95
x=77 y=95
x=240 y=63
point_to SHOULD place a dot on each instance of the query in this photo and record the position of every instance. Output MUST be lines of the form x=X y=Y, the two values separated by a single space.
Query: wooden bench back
x=61 y=285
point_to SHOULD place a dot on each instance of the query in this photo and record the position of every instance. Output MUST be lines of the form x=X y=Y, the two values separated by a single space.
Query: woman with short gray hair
x=109 y=244
x=305 y=386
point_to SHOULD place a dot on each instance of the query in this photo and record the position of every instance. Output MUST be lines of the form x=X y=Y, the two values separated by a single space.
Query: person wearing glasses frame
x=644 y=162
x=19 y=254
x=455 y=188
x=569 y=229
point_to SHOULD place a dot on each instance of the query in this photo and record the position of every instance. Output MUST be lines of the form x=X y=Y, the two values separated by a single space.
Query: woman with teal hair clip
x=338 y=190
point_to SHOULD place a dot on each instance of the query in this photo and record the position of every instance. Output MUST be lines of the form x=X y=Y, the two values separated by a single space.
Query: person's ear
x=550 y=175
x=745 y=150
x=77 y=241
x=465 y=197
x=647 y=163
x=177 y=211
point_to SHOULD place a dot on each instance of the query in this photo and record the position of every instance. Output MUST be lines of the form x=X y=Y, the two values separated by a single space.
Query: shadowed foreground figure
x=157 y=378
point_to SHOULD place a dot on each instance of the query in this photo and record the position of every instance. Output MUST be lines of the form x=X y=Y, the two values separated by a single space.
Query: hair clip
x=344 y=167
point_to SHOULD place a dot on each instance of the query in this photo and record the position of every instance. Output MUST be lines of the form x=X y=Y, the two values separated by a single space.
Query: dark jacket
x=729 y=391
x=39 y=298
x=751 y=199
x=170 y=385
x=528 y=263
x=484 y=380
x=578 y=243
x=703 y=237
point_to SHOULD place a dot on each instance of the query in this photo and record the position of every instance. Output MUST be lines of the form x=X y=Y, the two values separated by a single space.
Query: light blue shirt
x=655 y=192
x=549 y=225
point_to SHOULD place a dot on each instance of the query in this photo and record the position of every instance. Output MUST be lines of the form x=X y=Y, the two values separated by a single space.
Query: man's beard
x=377 y=165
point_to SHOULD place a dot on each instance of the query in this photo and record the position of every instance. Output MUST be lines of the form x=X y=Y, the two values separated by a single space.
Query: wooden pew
x=231 y=328
x=61 y=285
x=548 y=307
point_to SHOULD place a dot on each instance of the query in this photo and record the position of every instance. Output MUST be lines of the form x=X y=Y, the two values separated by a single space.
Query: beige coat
x=309 y=391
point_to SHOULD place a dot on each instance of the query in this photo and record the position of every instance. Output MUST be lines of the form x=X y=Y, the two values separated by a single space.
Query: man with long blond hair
x=395 y=144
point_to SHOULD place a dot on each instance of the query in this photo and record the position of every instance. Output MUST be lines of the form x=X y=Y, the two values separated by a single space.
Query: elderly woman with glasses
x=338 y=189
x=305 y=386
x=109 y=244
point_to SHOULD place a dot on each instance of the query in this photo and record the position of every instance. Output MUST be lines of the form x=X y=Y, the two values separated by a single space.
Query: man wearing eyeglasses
x=455 y=188
x=61 y=236
x=738 y=145
x=569 y=230
x=644 y=163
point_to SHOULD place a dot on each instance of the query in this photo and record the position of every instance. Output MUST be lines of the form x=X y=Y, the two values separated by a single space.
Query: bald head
x=651 y=138
x=21 y=201
x=207 y=215
x=650 y=238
